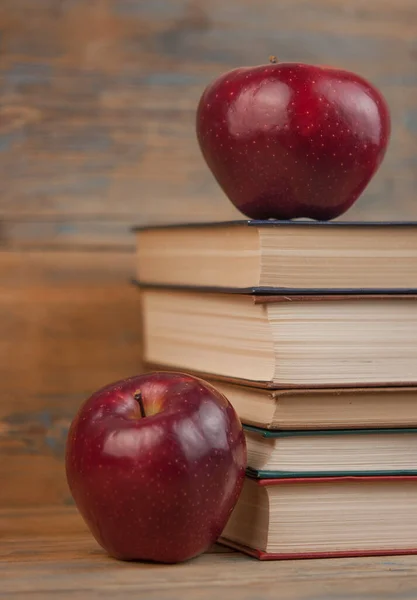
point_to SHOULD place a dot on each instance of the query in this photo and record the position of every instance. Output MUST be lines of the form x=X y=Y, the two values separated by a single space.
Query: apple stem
x=273 y=59
x=138 y=397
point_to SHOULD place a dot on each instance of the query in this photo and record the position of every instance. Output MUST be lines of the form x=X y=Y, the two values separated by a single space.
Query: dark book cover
x=273 y=294
x=275 y=223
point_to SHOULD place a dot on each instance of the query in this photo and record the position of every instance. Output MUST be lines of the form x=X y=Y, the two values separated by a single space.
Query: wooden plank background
x=47 y=553
x=97 y=109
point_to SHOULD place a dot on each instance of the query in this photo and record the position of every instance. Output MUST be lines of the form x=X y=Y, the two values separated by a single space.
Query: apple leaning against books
x=155 y=464
x=292 y=140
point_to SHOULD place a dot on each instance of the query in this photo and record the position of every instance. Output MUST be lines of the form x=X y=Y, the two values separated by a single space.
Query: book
x=263 y=256
x=324 y=517
x=284 y=341
x=322 y=408
x=319 y=408
x=331 y=453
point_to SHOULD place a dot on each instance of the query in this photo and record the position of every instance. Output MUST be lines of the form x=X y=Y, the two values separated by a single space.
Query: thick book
x=293 y=256
x=330 y=452
x=318 y=408
x=324 y=517
x=284 y=341
x=322 y=408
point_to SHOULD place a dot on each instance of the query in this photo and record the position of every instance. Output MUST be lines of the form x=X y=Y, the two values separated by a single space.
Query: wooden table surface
x=47 y=553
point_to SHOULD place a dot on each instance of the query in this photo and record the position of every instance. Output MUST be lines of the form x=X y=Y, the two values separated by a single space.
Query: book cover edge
x=260 y=474
x=328 y=479
x=277 y=433
x=269 y=294
x=271 y=223
x=278 y=392
x=262 y=555
x=274 y=387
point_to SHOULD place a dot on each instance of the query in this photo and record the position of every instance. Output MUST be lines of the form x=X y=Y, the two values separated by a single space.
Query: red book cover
x=260 y=555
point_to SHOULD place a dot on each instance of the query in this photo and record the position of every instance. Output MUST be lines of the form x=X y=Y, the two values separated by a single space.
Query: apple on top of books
x=155 y=464
x=292 y=140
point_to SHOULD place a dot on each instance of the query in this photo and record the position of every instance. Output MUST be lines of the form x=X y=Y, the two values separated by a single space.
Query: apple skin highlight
x=159 y=488
x=290 y=140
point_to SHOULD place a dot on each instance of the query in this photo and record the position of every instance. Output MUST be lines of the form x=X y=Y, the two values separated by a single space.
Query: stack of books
x=310 y=331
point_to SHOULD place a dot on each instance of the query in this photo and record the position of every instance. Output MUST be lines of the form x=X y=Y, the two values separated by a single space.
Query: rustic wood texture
x=97 y=110
x=98 y=103
x=69 y=324
x=49 y=554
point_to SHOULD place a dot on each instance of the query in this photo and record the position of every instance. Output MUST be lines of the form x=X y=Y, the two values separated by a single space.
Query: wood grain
x=56 y=234
x=20 y=269
x=69 y=324
x=44 y=522
x=97 y=110
x=98 y=103
x=57 y=558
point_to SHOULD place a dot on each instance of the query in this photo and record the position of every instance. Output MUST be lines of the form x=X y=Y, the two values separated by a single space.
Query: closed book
x=284 y=341
x=324 y=453
x=266 y=256
x=319 y=408
x=325 y=517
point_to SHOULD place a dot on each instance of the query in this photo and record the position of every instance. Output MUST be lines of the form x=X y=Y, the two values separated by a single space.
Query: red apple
x=292 y=140
x=155 y=464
